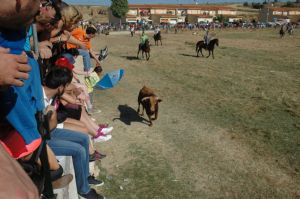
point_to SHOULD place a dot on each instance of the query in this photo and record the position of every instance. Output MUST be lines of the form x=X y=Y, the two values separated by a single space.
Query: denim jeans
x=86 y=59
x=65 y=142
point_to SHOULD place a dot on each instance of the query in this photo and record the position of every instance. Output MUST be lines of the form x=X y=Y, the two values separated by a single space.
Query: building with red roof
x=173 y=13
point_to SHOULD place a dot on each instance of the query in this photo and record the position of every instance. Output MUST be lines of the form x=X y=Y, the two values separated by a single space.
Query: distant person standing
x=176 y=29
x=132 y=30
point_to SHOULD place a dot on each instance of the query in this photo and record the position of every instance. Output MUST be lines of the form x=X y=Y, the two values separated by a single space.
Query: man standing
x=132 y=30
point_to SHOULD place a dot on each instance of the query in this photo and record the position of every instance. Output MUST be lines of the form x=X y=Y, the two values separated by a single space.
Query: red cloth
x=64 y=63
x=16 y=147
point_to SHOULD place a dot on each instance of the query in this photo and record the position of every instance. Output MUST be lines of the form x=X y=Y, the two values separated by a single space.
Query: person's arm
x=57 y=30
x=17 y=183
x=70 y=99
x=93 y=55
x=76 y=42
x=53 y=118
x=80 y=72
x=65 y=36
x=45 y=49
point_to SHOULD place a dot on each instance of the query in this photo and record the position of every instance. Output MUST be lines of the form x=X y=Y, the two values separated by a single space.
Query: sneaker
x=100 y=155
x=107 y=130
x=103 y=125
x=103 y=132
x=95 y=111
x=94 y=157
x=62 y=182
x=92 y=194
x=103 y=138
x=93 y=181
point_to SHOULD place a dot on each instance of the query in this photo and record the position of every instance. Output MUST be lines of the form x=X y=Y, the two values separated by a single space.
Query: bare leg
x=75 y=127
x=90 y=124
x=53 y=164
x=79 y=127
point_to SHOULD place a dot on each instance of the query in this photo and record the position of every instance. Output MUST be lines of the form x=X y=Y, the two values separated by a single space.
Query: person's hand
x=45 y=49
x=65 y=36
x=17 y=183
x=13 y=68
x=53 y=118
x=82 y=46
x=79 y=101
x=88 y=73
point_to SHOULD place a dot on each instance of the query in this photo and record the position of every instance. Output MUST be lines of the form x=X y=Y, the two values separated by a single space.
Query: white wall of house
x=133 y=12
x=203 y=12
x=200 y=19
x=171 y=12
x=294 y=12
x=131 y=20
x=181 y=12
x=277 y=13
x=193 y=12
x=158 y=11
x=234 y=19
x=227 y=12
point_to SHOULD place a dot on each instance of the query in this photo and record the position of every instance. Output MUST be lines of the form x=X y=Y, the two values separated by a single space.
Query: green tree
x=246 y=4
x=119 y=8
x=289 y=4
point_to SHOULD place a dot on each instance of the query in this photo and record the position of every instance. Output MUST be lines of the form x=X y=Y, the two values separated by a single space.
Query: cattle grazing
x=149 y=101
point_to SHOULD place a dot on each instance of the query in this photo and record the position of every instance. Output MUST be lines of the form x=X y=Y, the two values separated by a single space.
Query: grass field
x=227 y=128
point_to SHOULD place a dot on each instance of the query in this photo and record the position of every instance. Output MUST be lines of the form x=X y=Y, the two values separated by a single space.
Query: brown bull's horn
x=145 y=98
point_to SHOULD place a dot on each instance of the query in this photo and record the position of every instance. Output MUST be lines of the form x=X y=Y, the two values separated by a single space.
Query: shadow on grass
x=128 y=115
x=187 y=55
x=130 y=57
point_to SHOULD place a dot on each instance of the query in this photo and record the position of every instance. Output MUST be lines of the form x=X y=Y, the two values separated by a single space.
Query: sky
x=107 y=2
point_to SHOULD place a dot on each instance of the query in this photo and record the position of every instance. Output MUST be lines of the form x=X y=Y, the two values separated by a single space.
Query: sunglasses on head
x=48 y=3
